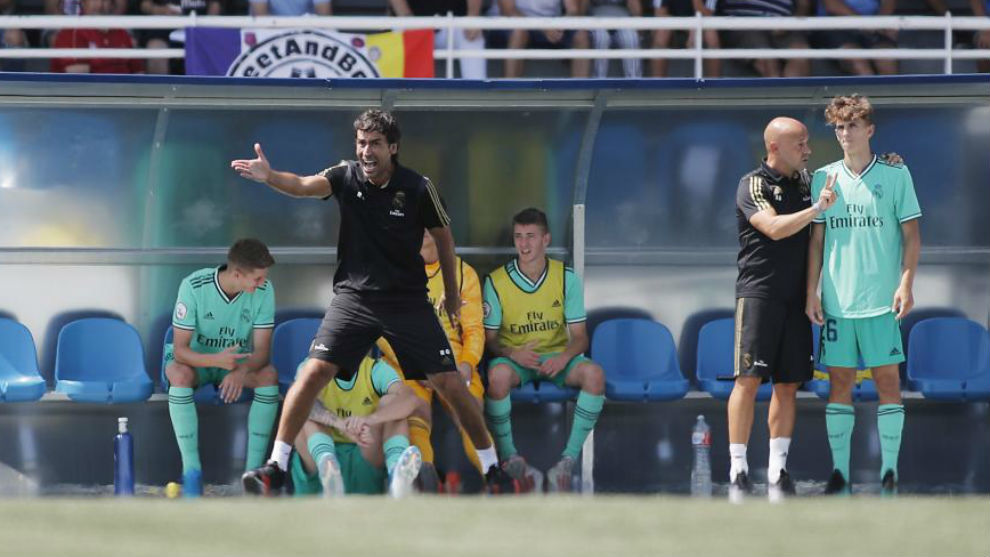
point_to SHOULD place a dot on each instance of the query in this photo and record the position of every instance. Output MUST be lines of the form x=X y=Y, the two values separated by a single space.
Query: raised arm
x=259 y=170
x=777 y=227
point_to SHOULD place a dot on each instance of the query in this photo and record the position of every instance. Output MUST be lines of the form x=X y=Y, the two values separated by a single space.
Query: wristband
x=817 y=206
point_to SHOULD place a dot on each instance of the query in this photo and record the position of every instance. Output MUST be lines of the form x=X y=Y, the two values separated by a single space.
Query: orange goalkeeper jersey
x=468 y=339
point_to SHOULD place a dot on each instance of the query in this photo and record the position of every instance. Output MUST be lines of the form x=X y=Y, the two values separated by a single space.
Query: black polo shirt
x=381 y=229
x=768 y=268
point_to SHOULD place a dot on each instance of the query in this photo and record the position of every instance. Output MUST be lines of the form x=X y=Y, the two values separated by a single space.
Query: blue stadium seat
x=598 y=316
x=916 y=316
x=639 y=359
x=288 y=314
x=949 y=359
x=690 y=334
x=205 y=394
x=864 y=391
x=20 y=380
x=46 y=352
x=290 y=345
x=715 y=365
x=101 y=360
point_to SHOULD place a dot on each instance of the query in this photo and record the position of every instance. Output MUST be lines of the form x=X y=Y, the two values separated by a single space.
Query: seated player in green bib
x=865 y=248
x=357 y=437
x=222 y=327
x=535 y=327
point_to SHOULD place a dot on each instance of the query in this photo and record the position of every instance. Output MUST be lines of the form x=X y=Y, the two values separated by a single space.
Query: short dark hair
x=381 y=121
x=250 y=254
x=532 y=215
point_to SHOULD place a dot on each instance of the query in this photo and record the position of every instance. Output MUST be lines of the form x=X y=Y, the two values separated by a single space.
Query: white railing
x=946 y=25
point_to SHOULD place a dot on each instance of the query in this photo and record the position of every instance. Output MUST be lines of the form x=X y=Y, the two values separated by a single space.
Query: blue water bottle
x=123 y=460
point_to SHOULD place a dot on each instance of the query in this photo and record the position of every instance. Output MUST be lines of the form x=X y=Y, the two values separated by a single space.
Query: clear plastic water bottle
x=123 y=460
x=701 y=473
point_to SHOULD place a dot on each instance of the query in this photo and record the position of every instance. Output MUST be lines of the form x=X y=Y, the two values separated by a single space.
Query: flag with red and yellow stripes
x=308 y=53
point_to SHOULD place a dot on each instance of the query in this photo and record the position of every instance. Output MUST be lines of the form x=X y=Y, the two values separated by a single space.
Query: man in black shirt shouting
x=379 y=287
x=773 y=334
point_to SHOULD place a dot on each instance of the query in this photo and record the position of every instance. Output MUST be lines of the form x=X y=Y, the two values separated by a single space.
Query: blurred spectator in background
x=11 y=38
x=95 y=38
x=850 y=38
x=548 y=38
x=777 y=39
x=290 y=7
x=981 y=39
x=464 y=39
x=159 y=38
x=662 y=37
x=624 y=38
x=74 y=7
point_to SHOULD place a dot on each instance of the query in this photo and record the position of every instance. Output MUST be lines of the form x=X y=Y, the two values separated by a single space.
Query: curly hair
x=848 y=108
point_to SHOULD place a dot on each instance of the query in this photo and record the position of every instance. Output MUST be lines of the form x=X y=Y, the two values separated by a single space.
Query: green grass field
x=474 y=527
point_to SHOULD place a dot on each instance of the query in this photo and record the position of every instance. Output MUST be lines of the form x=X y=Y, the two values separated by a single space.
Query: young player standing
x=865 y=249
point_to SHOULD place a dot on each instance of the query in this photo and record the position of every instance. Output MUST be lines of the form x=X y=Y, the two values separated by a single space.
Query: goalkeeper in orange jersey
x=467 y=339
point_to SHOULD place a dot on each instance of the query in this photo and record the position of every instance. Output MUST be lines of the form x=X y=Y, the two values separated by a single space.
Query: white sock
x=778 y=457
x=487 y=457
x=280 y=454
x=737 y=460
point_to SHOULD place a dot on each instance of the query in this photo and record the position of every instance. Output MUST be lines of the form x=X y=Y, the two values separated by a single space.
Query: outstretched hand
x=256 y=169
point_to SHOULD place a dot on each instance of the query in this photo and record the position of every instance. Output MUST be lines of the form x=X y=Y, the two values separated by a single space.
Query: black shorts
x=773 y=341
x=354 y=321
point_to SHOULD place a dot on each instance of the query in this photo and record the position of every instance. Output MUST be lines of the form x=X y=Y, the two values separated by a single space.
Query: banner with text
x=308 y=53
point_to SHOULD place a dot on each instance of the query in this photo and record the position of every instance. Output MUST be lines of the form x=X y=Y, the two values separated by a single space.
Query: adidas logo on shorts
x=895 y=352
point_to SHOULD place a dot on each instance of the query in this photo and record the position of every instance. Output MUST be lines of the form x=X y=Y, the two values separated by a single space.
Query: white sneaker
x=405 y=472
x=330 y=476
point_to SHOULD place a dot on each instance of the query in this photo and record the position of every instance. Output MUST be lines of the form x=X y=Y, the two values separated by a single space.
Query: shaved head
x=786 y=140
x=780 y=127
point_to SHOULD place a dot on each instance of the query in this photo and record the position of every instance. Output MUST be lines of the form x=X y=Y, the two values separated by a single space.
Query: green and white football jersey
x=216 y=321
x=863 y=240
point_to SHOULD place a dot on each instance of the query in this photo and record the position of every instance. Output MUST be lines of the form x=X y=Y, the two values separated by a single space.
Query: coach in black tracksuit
x=380 y=287
x=773 y=334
